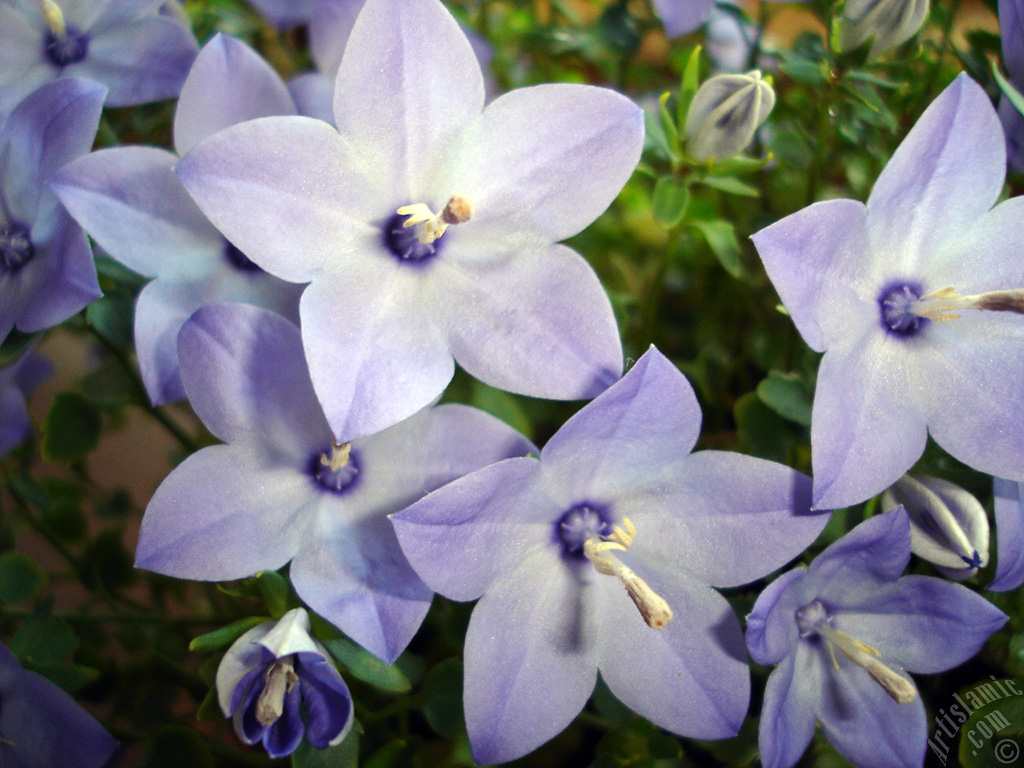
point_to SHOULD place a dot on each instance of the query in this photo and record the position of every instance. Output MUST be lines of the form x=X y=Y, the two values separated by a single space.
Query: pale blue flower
x=16 y=383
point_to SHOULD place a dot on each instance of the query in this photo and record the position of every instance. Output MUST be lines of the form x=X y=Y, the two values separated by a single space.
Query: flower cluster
x=307 y=261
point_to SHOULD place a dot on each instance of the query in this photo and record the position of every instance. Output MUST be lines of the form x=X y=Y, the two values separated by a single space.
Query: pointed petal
x=485 y=521
x=772 y=634
x=537 y=322
x=140 y=62
x=244 y=373
x=629 y=434
x=860 y=719
x=373 y=357
x=328 y=701
x=947 y=172
x=691 y=677
x=270 y=165
x=159 y=316
x=682 y=16
x=224 y=514
x=865 y=429
x=330 y=26
x=982 y=256
x=290 y=635
x=924 y=624
x=133 y=205
x=407 y=84
x=229 y=83
x=787 y=715
x=1010 y=536
x=531 y=657
x=285 y=734
x=874 y=552
x=819 y=261
x=733 y=518
x=548 y=159
x=241 y=658
x=352 y=572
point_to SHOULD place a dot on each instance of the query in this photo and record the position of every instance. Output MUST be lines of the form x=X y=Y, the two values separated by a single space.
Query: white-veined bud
x=948 y=526
x=888 y=22
x=725 y=113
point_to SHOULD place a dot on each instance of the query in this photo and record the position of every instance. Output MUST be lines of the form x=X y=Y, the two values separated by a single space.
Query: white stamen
x=901 y=690
x=653 y=608
x=54 y=18
x=430 y=226
x=942 y=305
x=280 y=678
x=339 y=456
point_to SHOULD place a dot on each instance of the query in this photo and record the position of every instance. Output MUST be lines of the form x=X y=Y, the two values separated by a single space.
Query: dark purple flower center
x=15 y=249
x=403 y=243
x=63 y=50
x=810 y=617
x=895 y=302
x=340 y=480
x=582 y=522
x=239 y=260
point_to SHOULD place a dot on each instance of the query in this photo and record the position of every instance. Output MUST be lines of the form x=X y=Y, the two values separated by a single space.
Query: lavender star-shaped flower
x=46 y=269
x=137 y=53
x=915 y=299
x=582 y=559
x=425 y=226
x=270 y=674
x=43 y=727
x=281 y=490
x=844 y=632
x=130 y=201
x=16 y=383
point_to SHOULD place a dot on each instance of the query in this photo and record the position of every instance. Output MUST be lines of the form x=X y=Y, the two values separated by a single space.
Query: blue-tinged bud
x=948 y=526
x=888 y=22
x=725 y=113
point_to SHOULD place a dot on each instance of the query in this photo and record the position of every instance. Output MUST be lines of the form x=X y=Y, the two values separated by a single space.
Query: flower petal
x=727 y=518
x=241 y=658
x=947 y=172
x=788 y=711
x=876 y=550
x=547 y=159
x=691 y=677
x=865 y=431
x=772 y=634
x=269 y=165
x=229 y=83
x=537 y=322
x=328 y=702
x=531 y=657
x=407 y=84
x=1010 y=536
x=224 y=514
x=923 y=623
x=485 y=521
x=133 y=205
x=373 y=357
x=682 y=16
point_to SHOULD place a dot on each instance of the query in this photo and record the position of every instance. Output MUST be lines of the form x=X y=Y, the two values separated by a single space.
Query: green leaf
x=668 y=125
x=442 y=699
x=367 y=667
x=209 y=710
x=71 y=429
x=740 y=165
x=113 y=317
x=721 y=239
x=761 y=431
x=671 y=196
x=731 y=186
x=14 y=346
x=43 y=640
x=1015 y=96
x=108 y=385
x=225 y=636
x=395 y=754
x=176 y=746
x=108 y=564
x=785 y=394
x=21 y=578
x=275 y=590
x=503 y=405
x=344 y=755
x=688 y=86
x=993 y=735
x=63 y=515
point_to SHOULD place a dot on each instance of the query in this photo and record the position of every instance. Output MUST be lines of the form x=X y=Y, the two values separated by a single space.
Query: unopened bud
x=889 y=22
x=725 y=113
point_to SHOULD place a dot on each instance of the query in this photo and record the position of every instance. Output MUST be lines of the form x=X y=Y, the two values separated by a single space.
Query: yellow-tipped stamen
x=54 y=18
x=429 y=225
x=653 y=608
x=944 y=304
x=339 y=456
x=901 y=690
x=280 y=678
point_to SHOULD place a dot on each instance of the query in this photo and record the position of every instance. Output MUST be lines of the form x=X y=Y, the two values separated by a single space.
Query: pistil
x=945 y=304
x=429 y=225
x=279 y=680
x=54 y=18
x=339 y=456
x=901 y=690
x=600 y=551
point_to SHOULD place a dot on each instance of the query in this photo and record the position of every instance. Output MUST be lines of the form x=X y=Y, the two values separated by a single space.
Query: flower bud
x=725 y=112
x=889 y=22
x=948 y=526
